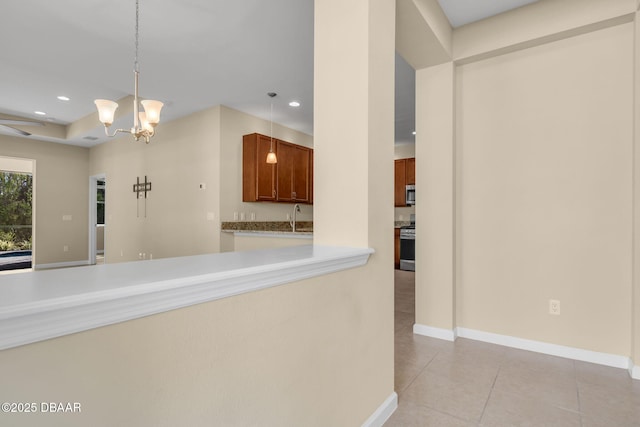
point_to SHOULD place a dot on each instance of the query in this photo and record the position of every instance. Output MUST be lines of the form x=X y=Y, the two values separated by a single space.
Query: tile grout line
x=419 y=373
x=484 y=408
x=575 y=378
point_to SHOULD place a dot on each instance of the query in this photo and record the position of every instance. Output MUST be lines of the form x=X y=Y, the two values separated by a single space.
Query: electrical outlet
x=554 y=307
x=242 y=216
x=65 y=248
x=253 y=216
x=235 y=216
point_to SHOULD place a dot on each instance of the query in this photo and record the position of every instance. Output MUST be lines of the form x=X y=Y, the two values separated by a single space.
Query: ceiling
x=194 y=54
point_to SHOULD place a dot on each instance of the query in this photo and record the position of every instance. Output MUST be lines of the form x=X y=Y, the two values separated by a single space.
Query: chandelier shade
x=106 y=111
x=271 y=156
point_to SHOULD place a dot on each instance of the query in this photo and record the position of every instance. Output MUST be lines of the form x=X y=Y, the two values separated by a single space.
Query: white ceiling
x=194 y=54
x=461 y=12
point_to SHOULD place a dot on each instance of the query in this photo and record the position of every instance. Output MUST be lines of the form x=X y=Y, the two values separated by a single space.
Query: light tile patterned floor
x=471 y=383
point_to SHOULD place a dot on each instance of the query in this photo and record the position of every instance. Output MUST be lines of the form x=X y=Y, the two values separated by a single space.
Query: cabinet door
x=411 y=171
x=284 y=174
x=301 y=169
x=400 y=177
x=258 y=176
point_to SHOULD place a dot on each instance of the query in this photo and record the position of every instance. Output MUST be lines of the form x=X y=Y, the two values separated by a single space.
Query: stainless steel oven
x=408 y=248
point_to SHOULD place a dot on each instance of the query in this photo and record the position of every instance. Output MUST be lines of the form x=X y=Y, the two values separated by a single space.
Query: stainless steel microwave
x=410 y=195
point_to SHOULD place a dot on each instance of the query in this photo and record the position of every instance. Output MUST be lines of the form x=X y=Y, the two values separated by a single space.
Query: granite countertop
x=267 y=226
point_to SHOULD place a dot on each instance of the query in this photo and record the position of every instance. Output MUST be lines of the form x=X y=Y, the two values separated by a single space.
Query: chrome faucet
x=292 y=221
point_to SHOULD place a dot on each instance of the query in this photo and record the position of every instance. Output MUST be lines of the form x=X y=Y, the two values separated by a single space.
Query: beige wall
x=302 y=354
x=532 y=154
x=317 y=352
x=61 y=188
x=435 y=290
x=404 y=151
x=249 y=243
x=183 y=154
x=545 y=202
x=354 y=63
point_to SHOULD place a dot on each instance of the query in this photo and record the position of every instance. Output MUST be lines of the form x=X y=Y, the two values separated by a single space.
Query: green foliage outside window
x=16 y=194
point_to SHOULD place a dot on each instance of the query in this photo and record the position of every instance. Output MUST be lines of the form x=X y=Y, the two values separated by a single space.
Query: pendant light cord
x=135 y=63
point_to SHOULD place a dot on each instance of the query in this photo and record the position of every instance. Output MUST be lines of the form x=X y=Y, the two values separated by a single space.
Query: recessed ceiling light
x=294 y=104
x=40 y=113
x=63 y=98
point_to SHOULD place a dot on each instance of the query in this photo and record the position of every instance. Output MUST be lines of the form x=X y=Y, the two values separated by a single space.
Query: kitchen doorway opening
x=97 y=218
x=16 y=214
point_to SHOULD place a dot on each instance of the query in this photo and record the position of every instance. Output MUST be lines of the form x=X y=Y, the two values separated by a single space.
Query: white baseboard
x=606 y=359
x=61 y=265
x=384 y=411
x=430 y=331
x=634 y=370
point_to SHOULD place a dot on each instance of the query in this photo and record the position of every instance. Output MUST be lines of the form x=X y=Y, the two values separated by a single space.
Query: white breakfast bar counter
x=44 y=304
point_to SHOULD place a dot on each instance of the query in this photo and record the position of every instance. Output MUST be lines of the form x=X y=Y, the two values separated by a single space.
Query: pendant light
x=144 y=122
x=271 y=157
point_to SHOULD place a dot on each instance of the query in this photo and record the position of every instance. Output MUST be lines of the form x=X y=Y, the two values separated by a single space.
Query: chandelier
x=144 y=122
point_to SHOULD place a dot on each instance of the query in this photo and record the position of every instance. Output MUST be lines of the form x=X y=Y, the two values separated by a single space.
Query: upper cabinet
x=289 y=180
x=292 y=173
x=405 y=174
x=258 y=176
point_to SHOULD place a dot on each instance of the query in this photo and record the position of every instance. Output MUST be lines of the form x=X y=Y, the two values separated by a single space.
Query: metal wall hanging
x=141 y=188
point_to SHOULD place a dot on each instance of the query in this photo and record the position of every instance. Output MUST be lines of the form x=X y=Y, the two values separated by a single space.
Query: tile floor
x=471 y=383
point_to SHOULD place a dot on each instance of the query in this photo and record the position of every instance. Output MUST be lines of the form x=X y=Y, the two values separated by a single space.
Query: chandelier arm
x=111 y=135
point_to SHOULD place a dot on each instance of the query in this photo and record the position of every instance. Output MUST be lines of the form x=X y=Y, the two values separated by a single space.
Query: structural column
x=435 y=206
x=635 y=291
x=353 y=124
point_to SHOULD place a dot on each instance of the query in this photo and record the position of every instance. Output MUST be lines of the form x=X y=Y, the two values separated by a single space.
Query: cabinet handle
x=274 y=193
x=294 y=195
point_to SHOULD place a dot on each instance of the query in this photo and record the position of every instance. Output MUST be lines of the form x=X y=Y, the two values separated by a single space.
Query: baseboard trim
x=433 y=332
x=634 y=370
x=61 y=265
x=606 y=359
x=384 y=411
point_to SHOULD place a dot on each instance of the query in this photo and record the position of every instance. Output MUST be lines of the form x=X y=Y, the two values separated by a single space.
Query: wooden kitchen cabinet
x=404 y=174
x=258 y=176
x=292 y=173
x=411 y=171
x=289 y=180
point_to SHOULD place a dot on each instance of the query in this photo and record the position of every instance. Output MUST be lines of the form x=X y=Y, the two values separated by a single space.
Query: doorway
x=16 y=214
x=97 y=218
